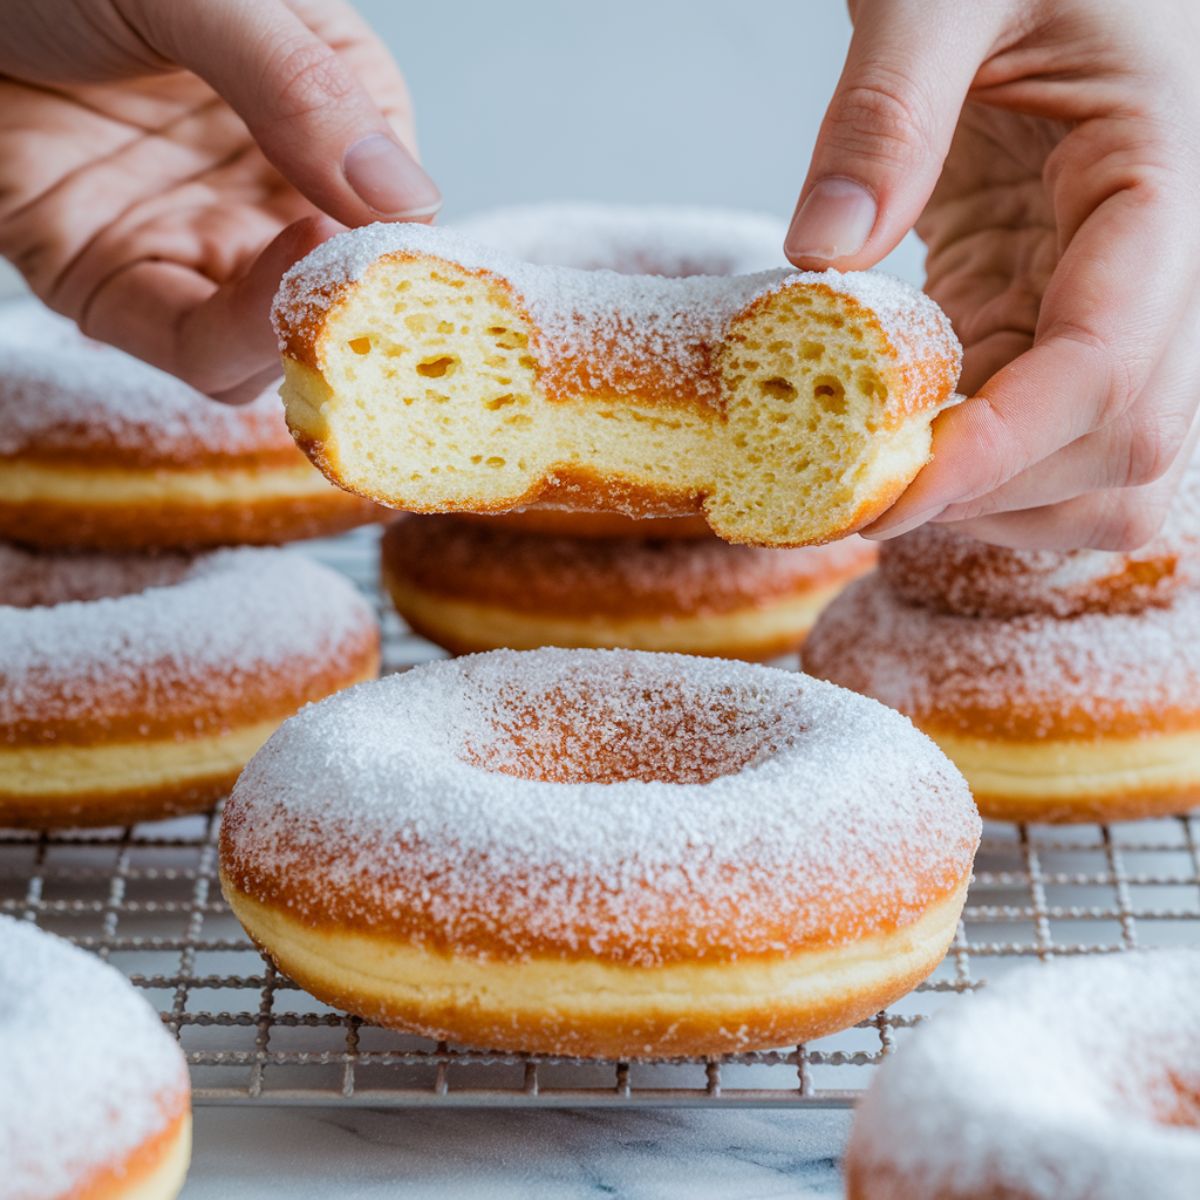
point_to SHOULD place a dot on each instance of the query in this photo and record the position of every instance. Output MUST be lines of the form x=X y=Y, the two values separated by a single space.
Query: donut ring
x=786 y=408
x=936 y=568
x=469 y=588
x=133 y=688
x=601 y=853
x=100 y=451
x=1076 y=1080
x=96 y=1100
x=563 y=522
x=1093 y=718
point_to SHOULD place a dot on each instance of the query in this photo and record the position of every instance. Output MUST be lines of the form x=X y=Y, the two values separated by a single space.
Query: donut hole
x=46 y=580
x=580 y=730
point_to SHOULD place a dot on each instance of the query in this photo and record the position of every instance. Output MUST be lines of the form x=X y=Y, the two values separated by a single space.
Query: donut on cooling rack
x=101 y=451
x=95 y=1100
x=786 y=408
x=133 y=688
x=1065 y=687
x=468 y=587
x=601 y=853
x=1077 y=1080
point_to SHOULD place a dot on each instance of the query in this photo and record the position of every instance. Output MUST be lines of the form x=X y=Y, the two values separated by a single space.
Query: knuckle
x=1127 y=526
x=304 y=78
x=1120 y=375
x=884 y=116
x=1149 y=453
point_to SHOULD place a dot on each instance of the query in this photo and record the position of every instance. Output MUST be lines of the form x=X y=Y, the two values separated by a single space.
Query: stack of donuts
x=548 y=576
x=144 y=653
x=1065 y=686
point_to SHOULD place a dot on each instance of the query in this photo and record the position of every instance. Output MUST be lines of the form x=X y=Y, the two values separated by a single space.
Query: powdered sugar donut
x=434 y=373
x=601 y=853
x=101 y=451
x=131 y=688
x=1077 y=1080
x=468 y=587
x=1093 y=717
x=95 y=1103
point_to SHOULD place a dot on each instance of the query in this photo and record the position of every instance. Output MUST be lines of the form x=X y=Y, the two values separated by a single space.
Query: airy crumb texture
x=605 y=802
x=87 y=1071
x=1075 y=1080
x=437 y=374
x=62 y=394
x=86 y=635
x=1029 y=676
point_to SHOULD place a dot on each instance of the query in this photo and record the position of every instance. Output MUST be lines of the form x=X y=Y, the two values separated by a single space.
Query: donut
x=941 y=569
x=468 y=587
x=100 y=451
x=95 y=1103
x=1094 y=717
x=136 y=687
x=566 y=522
x=786 y=408
x=1074 y=1080
x=600 y=852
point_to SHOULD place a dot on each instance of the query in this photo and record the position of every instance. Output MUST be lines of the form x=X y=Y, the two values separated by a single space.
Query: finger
x=218 y=339
x=1120 y=292
x=887 y=129
x=1120 y=519
x=301 y=102
x=1135 y=449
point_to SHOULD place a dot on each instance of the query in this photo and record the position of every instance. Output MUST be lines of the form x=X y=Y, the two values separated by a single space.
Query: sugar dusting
x=823 y=814
x=1038 y=669
x=676 y=320
x=78 y=630
x=62 y=393
x=88 y=1071
x=1076 y=1080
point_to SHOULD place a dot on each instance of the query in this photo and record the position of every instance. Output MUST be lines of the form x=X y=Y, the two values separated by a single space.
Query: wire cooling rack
x=146 y=899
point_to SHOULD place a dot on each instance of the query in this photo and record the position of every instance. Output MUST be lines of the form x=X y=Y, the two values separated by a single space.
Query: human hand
x=1062 y=241
x=162 y=165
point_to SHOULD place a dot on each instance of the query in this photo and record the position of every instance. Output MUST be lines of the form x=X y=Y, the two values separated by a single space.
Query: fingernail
x=882 y=531
x=835 y=219
x=388 y=179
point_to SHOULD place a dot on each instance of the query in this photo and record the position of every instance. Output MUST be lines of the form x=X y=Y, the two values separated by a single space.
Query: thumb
x=888 y=127
x=302 y=103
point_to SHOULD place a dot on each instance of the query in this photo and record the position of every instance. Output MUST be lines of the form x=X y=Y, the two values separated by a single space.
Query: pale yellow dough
x=100 y=487
x=166 y=1181
x=731 y=633
x=1070 y=768
x=52 y=769
x=404 y=976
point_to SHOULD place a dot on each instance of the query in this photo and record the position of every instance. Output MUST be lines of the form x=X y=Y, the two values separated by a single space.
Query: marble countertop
x=564 y=1154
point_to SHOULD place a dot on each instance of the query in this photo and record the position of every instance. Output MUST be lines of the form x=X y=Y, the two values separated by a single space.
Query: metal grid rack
x=146 y=899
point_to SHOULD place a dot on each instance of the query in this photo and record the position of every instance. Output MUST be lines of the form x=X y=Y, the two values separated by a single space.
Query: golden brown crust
x=120 y=1179
x=190 y=699
x=615 y=578
x=560 y=522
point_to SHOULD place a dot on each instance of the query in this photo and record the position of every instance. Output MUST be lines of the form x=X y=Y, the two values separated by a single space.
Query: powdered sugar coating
x=1077 y=1080
x=63 y=394
x=164 y=624
x=834 y=817
x=1030 y=675
x=677 y=320
x=89 y=1073
x=633 y=240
